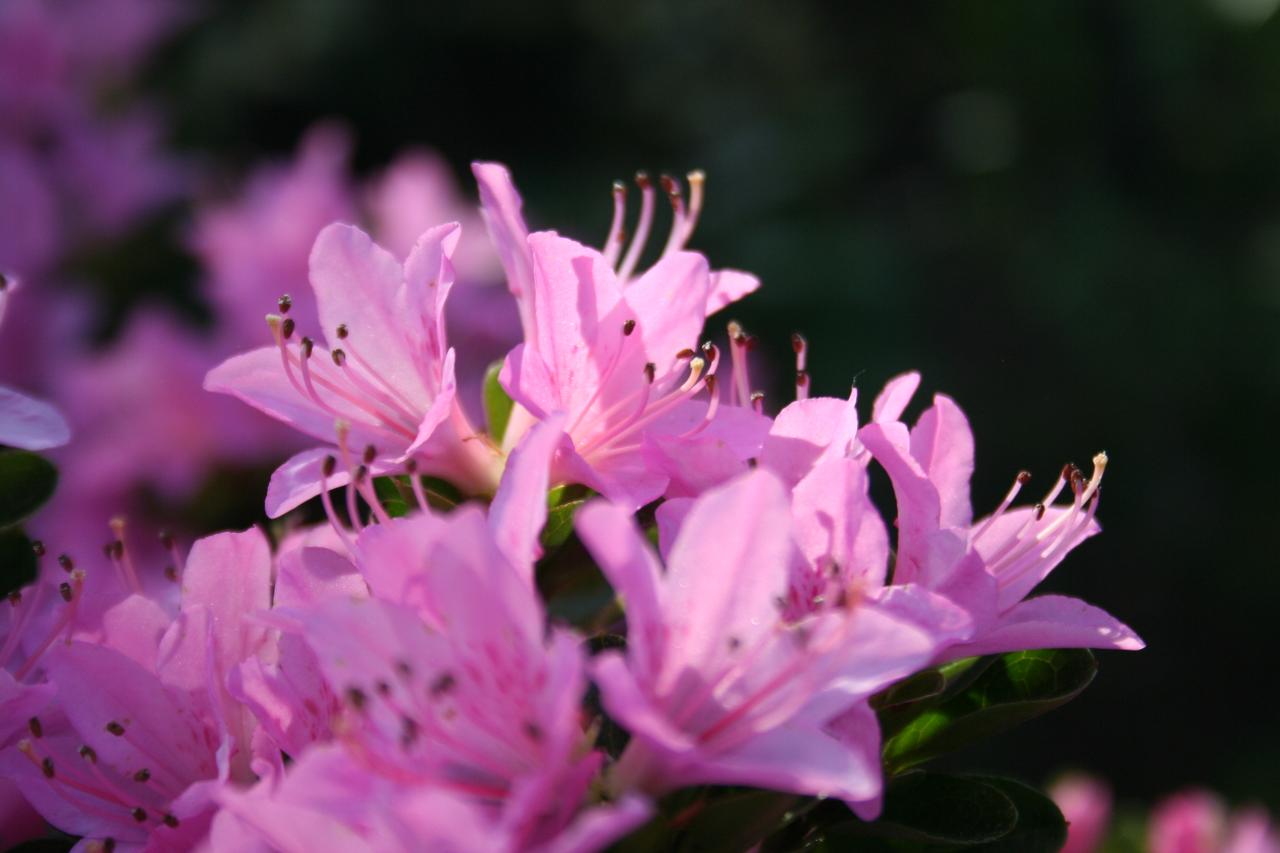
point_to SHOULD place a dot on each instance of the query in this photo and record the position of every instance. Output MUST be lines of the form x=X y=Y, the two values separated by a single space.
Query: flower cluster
x=402 y=675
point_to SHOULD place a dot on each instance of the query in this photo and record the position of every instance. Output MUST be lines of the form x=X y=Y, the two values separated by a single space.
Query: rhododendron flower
x=1086 y=804
x=26 y=422
x=718 y=685
x=142 y=729
x=385 y=385
x=989 y=566
x=1196 y=821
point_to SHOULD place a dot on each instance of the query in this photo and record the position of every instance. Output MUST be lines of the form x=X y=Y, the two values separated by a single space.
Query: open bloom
x=384 y=390
x=720 y=683
x=988 y=566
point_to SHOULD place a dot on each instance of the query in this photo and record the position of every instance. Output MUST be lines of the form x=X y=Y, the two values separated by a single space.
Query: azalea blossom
x=719 y=685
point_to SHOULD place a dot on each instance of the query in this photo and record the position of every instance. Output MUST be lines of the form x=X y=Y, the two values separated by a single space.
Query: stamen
x=697 y=178
x=76 y=587
x=674 y=239
x=327 y=468
x=117 y=526
x=642 y=228
x=757 y=401
x=284 y=303
x=353 y=516
x=419 y=495
x=1021 y=480
x=741 y=388
x=617 y=231
x=178 y=566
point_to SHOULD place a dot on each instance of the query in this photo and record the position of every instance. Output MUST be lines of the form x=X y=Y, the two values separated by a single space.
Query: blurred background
x=1065 y=214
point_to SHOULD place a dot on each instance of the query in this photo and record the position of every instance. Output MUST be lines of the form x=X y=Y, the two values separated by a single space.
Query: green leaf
x=1041 y=827
x=706 y=819
x=17 y=561
x=935 y=809
x=1007 y=690
x=559 y=524
x=394 y=495
x=26 y=482
x=497 y=404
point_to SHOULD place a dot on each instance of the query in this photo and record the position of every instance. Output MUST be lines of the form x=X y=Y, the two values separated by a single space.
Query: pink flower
x=386 y=384
x=718 y=685
x=989 y=566
x=142 y=728
x=1086 y=804
x=1196 y=821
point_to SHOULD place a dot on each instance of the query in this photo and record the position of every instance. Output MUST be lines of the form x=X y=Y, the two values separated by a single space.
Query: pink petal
x=629 y=704
x=526 y=377
x=134 y=627
x=836 y=523
x=668 y=304
x=361 y=285
x=500 y=206
x=310 y=575
x=893 y=400
x=917 y=498
x=1053 y=622
x=298 y=479
x=728 y=286
x=942 y=443
x=519 y=509
x=29 y=424
x=598 y=827
x=438 y=412
x=801 y=434
x=429 y=275
x=230 y=574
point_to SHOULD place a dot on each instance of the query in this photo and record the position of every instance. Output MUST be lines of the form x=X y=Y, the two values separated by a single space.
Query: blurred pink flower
x=25 y=422
x=1197 y=821
x=1086 y=804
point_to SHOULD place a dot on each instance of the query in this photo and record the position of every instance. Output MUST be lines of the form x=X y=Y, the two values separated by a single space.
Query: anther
x=533 y=731
x=169 y=820
x=37 y=547
x=114 y=728
x=411 y=466
x=287 y=327
x=64 y=590
x=370 y=453
x=339 y=357
x=362 y=473
x=383 y=688
x=166 y=539
x=142 y=775
x=669 y=185
x=686 y=353
x=108 y=845
x=171 y=573
x=88 y=754
x=37 y=730
x=329 y=465
x=797 y=342
x=642 y=180
x=307 y=346
x=357 y=698
x=442 y=685
x=139 y=814
x=802 y=379
x=710 y=382
x=67 y=564
x=403 y=669
x=628 y=327
x=1024 y=477
x=408 y=731
x=284 y=303
x=343 y=331
x=1039 y=508
x=46 y=767
x=650 y=371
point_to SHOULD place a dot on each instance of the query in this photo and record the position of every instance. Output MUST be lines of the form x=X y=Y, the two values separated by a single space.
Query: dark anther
x=1066 y=471
x=370 y=453
x=284 y=303
x=37 y=547
x=642 y=180
x=408 y=731
x=66 y=562
x=46 y=767
x=533 y=730
x=628 y=327
x=171 y=573
x=142 y=775
x=802 y=378
x=114 y=728
x=686 y=353
x=751 y=342
x=797 y=342
x=442 y=685
x=307 y=346
x=64 y=590
x=339 y=357
x=362 y=473
x=328 y=466
x=734 y=644
x=37 y=730
x=357 y=698
x=169 y=820
x=15 y=598
x=1024 y=477
x=343 y=331
x=383 y=688
x=1039 y=511
x=87 y=753
x=411 y=466
x=403 y=669
x=757 y=396
x=650 y=371
x=710 y=382
x=753 y=462
x=108 y=845
x=287 y=327
x=139 y=814
x=4 y=282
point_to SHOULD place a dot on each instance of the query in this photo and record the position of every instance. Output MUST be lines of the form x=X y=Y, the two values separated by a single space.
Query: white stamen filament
x=617 y=236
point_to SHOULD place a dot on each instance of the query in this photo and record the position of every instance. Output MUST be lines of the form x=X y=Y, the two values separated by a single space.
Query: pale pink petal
x=438 y=412
x=1086 y=804
x=360 y=285
x=629 y=704
x=893 y=400
x=298 y=479
x=728 y=286
x=670 y=517
x=917 y=499
x=1028 y=572
x=134 y=627
x=944 y=620
x=1052 y=622
x=527 y=378
x=429 y=275
x=942 y=443
x=519 y=509
x=500 y=206
x=310 y=575
x=30 y=424
x=598 y=827
x=800 y=435
x=836 y=524
x=230 y=574
x=668 y=304
x=858 y=730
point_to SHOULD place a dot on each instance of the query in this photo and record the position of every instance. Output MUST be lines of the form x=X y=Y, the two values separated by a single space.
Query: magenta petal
x=29 y=424
x=1053 y=622
x=942 y=443
x=230 y=574
x=727 y=287
x=893 y=400
x=519 y=508
x=858 y=730
x=19 y=703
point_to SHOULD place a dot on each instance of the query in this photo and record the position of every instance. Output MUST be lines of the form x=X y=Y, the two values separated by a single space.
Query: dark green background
x=1066 y=214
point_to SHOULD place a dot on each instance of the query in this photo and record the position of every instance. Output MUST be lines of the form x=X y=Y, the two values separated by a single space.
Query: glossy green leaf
x=394 y=495
x=1040 y=828
x=1007 y=690
x=17 y=560
x=497 y=403
x=936 y=809
x=708 y=819
x=27 y=480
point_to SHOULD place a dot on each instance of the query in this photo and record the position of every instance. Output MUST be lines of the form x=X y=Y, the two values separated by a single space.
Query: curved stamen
x=122 y=554
x=739 y=344
x=642 y=228
x=342 y=428
x=1019 y=481
x=327 y=468
x=675 y=239
x=627 y=329
x=71 y=594
x=617 y=229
